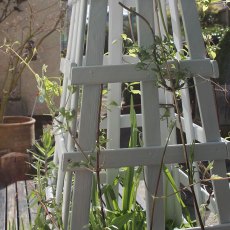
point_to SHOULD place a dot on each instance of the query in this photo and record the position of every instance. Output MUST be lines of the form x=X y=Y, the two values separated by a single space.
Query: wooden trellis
x=87 y=72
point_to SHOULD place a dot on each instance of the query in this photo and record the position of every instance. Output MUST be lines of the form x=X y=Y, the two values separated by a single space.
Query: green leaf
x=113 y=103
x=121 y=220
x=215 y=177
x=104 y=91
x=124 y=36
x=175 y=189
x=110 y=197
x=204 y=8
x=134 y=91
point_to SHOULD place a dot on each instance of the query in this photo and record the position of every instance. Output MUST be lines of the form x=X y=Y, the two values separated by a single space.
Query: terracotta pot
x=17 y=134
x=14 y=167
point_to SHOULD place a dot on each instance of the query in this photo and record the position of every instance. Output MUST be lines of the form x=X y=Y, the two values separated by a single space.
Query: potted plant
x=17 y=132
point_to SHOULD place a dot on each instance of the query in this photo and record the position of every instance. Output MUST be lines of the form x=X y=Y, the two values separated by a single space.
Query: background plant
x=129 y=215
x=48 y=214
x=26 y=47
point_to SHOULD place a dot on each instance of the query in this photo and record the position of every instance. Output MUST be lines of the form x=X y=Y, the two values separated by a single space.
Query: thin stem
x=131 y=27
x=51 y=217
x=193 y=184
x=188 y=166
x=139 y=15
x=98 y=169
x=159 y=176
x=162 y=18
x=190 y=174
x=23 y=60
x=78 y=145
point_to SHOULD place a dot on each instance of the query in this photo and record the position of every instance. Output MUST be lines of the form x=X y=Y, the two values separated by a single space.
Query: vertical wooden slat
x=77 y=57
x=68 y=54
x=76 y=40
x=3 y=205
x=31 y=201
x=206 y=104
x=114 y=90
x=89 y=113
x=23 y=211
x=70 y=58
x=172 y=207
x=192 y=29
x=150 y=122
x=66 y=199
x=12 y=205
x=187 y=113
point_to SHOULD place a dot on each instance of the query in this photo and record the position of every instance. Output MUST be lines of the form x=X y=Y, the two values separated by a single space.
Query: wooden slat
x=114 y=90
x=214 y=227
x=2 y=207
x=184 y=181
x=192 y=29
x=89 y=113
x=206 y=102
x=32 y=203
x=12 y=205
x=23 y=211
x=125 y=122
x=149 y=155
x=108 y=74
x=129 y=72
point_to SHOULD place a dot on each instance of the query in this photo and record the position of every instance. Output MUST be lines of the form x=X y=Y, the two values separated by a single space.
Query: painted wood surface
x=23 y=208
x=129 y=72
x=206 y=105
x=94 y=69
x=75 y=59
x=16 y=212
x=12 y=205
x=33 y=206
x=117 y=158
x=89 y=113
x=215 y=227
x=3 y=205
x=150 y=124
x=114 y=90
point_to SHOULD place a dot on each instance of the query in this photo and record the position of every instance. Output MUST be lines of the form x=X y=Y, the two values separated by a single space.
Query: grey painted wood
x=74 y=39
x=185 y=96
x=125 y=122
x=3 y=206
x=66 y=199
x=129 y=72
x=212 y=205
x=192 y=29
x=215 y=227
x=206 y=104
x=114 y=90
x=23 y=209
x=150 y=155
x=150 y=123
x=30 y=186
x=12 y=205
x=89 y=113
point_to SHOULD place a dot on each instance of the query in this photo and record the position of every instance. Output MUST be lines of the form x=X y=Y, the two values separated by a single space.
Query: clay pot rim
x=22 y=120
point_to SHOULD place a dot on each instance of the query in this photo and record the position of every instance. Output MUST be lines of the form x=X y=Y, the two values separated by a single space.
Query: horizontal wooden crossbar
x=129 y=72
x=214 y=227
x=125 y=123
x=148 y=155
x=129 y=3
